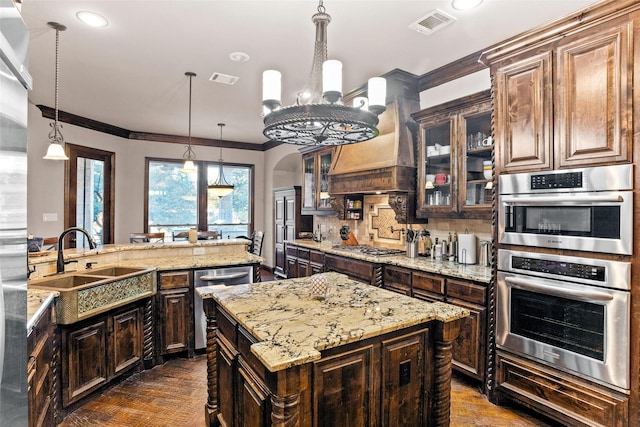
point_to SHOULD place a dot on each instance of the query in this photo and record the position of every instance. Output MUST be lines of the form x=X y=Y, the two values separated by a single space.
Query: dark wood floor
x=174 y=394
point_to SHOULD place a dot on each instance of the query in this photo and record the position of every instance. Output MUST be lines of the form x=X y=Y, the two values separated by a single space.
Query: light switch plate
x=49 y=217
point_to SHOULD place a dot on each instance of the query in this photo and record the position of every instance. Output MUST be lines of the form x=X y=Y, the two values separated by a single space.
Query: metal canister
x=485 y=255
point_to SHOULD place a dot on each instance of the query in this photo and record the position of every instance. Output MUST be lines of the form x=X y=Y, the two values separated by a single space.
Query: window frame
x=74 y=151
x=202 y=166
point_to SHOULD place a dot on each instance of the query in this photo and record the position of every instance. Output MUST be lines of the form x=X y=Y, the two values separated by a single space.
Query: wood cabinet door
x=84 y=364
x=397 y=279
x=254 y=403
x=469 y=346
x=404 y=369
x=174 y=326
x=292 y=267
x=304 y=268
x=594 y=97
x=125 y=341
x=226 y=358
x=356 y=269
x=345 y=390
x=523 y=119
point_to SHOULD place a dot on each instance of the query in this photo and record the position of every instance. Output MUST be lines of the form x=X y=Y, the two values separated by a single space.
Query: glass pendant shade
x=189 y=166
x=271 y=88
x=377 y=90
x=55 y=152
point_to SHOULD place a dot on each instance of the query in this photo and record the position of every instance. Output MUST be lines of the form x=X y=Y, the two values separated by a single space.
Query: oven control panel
x=556 y=180
x=560 y=268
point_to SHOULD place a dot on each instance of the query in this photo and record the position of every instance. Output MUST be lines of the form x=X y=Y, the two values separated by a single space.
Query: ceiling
x=131 y=74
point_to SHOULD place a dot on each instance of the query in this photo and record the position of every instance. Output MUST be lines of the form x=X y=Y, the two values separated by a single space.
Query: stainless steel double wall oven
x=569 y=312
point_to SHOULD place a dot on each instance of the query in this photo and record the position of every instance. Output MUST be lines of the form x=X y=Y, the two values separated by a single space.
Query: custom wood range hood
x=386 y=163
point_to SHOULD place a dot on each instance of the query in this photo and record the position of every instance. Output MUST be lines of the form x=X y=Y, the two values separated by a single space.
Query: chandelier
x=55 y=151
x=189 y=155
x=221 y=187
x=319 y=117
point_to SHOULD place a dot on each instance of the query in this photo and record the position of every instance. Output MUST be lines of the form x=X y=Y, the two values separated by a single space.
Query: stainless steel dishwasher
x=215 y=276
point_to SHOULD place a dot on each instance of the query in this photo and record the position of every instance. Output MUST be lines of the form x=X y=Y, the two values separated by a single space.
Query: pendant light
x=55 y=151
x=319 y=116
x=189 y=155
x=221 y=187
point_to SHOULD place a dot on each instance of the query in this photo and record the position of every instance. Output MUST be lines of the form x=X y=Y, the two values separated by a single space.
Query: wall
x=467 y=85
x=45 y=178
x=375 y=227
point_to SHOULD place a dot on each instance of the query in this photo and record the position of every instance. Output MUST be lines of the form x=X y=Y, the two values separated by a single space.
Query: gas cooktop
x=369 y=250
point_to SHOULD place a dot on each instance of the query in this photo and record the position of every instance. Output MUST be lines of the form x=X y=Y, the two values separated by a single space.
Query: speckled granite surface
x=163 y=256
x=37 y=301
x=471 y=272
x=293 y=327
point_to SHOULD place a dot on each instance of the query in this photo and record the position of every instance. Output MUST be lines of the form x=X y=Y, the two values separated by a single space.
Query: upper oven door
x=585 y=221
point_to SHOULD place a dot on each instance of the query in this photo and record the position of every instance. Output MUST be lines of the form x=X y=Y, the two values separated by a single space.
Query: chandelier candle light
x=189 y=155
x=318 y=119
x=55 y=151
x=221 y=187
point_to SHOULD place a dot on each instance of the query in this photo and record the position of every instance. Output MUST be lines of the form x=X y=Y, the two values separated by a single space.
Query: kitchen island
x=360 y=356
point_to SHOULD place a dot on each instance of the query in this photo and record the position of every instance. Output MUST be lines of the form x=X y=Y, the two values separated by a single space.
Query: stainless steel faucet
x=61 y=263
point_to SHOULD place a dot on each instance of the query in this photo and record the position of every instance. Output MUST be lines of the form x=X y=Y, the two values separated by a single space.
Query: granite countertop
x=37 y=302
x=195 y=261
x=293 y=328
x=473 y=272
x=72 y=253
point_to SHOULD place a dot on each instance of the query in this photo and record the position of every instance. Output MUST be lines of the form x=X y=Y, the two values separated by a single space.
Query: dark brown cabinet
x=356 y=269
x=469 y=348
x=315 y=182
x=95 y=351
x=384 y=380
x=567 y=103
x=397 y=279
x=303 y=262
x=174 y=303
x=454 y=159
x=288 y=222
x=41 y=380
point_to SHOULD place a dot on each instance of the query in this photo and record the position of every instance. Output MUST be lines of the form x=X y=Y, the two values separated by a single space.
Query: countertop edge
x=473 y=272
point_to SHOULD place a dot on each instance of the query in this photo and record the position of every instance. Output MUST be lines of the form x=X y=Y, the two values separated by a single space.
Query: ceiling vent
x=223 y=78
x=431 y=22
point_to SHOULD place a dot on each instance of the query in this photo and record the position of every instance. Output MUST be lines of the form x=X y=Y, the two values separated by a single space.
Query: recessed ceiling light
x=465 y=4
x=92 y=19
x=238 y=56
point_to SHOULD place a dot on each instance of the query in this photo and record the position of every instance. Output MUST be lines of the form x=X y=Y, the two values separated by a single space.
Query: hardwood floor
x=174 y=394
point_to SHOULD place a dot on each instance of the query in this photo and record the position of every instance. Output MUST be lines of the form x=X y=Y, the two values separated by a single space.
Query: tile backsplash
x=379 y=227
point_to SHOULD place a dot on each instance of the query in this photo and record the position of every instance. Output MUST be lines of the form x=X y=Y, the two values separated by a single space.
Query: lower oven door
x=576 y=328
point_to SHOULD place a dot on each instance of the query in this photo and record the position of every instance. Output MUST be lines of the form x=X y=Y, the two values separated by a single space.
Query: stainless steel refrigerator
x=15 y=82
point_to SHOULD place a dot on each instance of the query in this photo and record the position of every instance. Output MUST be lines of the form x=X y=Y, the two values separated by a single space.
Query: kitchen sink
x=112 y=271
x=83 y=294
x=65 y=282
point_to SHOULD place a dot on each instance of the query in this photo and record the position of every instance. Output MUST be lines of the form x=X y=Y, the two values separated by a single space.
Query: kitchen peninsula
x=358 y=356
x=119 y=309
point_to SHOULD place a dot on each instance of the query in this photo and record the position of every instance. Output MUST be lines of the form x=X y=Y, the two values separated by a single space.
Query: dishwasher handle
x=221 y=277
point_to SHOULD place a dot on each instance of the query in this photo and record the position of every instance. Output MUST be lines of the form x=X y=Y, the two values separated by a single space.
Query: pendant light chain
x=57 y=72
x=56 y=135
x=189 y=155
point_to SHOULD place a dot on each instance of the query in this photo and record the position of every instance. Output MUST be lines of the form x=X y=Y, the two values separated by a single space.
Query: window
x=177 y=201
x=89 y=194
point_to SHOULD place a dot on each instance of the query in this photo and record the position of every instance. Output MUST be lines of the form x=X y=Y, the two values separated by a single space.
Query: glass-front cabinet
x=315 y=178
x=437 y=188
x=455 y=159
